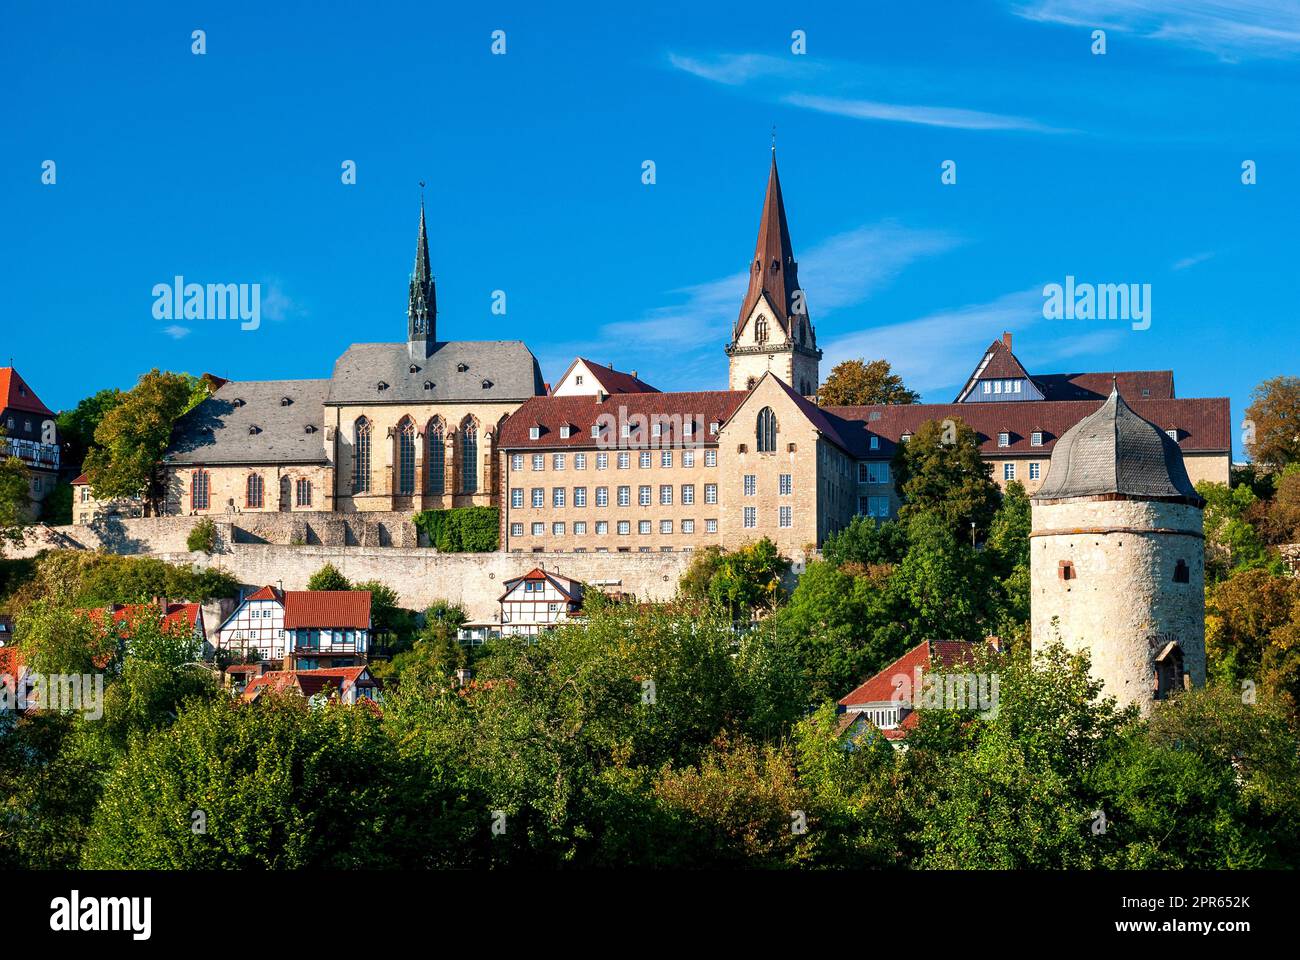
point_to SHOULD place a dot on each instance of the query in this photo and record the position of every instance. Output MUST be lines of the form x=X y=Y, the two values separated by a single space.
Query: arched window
x=199 y=490
x=302 y=491
x=361 y=457
x=766 y=430
x=253 y=495
x=437 y=456
x=469 y=457
x=760 y=330
x=406 y=457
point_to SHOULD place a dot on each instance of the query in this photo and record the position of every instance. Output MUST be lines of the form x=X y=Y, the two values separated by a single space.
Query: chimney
x=279 y=586
x=633 y=372
x=600 y=396
x=1006 y=340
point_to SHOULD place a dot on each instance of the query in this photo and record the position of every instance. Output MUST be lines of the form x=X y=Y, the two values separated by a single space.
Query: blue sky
x=1122 y=168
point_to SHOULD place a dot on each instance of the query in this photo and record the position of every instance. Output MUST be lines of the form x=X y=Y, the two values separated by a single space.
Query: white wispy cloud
x=674 y=344
x=176 y=332
x=278 y=305
x=734 y=69
x=1231 y=30
x=955 y=117
x=1191 y=261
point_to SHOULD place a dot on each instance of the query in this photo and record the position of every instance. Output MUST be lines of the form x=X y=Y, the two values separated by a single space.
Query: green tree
x=15 y=501
x=742 y=582
x=133 y=436
x=866 y=542
x=1273 y=439
x=942 y=584
x=854 y=383
x=77 y=426
x=1231 y=541
x=328 y=578
x=940 y=470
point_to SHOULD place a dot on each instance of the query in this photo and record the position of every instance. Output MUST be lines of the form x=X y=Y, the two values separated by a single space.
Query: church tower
x=1117 y=556
x=422 y=306
x=773 y=331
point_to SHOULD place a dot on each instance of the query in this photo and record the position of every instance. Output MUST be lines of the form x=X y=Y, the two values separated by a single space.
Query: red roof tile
x=266 y=593
x=82 y=480
x=15 y=394
x=11 y=661
x=310 y=682
x=581 y=412
x=326 y=608
x=880 y=688
x=1132 y=384
x=613 y=381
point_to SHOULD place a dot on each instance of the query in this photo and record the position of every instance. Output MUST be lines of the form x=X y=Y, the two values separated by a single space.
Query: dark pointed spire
x=422 y=307
x=773 y=271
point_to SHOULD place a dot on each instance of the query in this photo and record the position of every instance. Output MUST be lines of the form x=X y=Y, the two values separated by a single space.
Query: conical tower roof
x=1115 y=452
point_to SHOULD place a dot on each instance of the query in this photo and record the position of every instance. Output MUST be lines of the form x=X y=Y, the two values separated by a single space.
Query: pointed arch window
x=254 y=491
x=302 y=490
x=199 y=490
x=361 y=457
x=760 y=330
x=469 y=457
x=766 y=430
x=437 y=456
x=406 y=457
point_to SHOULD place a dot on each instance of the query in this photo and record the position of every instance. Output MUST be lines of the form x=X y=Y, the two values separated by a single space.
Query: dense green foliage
x=461 y=529
x=940 y=471
x=202 y=536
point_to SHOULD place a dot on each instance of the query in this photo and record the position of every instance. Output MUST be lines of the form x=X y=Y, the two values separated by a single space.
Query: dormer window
x=382 y=386
x=688 y=428
x=657 y=430
x=428 y=384
x=907 y=435
x=487 y=384
x=1146 y=392
x=285 y=401
x=310 y=428
x=414 y=369
x=1172 y=434
x=595 y=429
x=566 y=430
x=987 y=387
x=238 y=401
x=1036 y=438
x=462 y=367
x=1004 y=439
x=713 y=426
x=625 y=431
x=254 y=429
x=534 y=433
x=875 y=442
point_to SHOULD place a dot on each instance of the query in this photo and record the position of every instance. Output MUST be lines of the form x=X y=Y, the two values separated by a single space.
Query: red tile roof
x=613 y=381
x=326 y=608
x=266 y=593
x=174 y=612
x=880 y=688
x=11 y=661
x=566 y=585
x=1204 y=425
x=581 y=412
x=1158 y=384
x=15 y=394
x=82 y=480
x=310 y=682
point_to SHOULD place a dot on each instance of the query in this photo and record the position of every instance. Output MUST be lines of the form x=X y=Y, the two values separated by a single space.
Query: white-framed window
x=657 y=429
x=557 y=529
x=710 y=493
x=643 y=528
x=786 y=484
x=579 y=461
x=539 y=461
x=539 y=529
x=624 y=496
x=516 y=529
x=688 y=494
x=624 y=460
x=751 y=517
x=710 y=458
x=1004 y=439
x=644 y=460
x=579 y=496
x=665 y=494
x=988 y=387
x=557 y=496
x=602 y=461
x=579 y=528
x=557 y=461
x=1017 y=385
x=516 y=461
x=595 y=431
x=643 y=495
x=566 y=431
x=665 y=458
x=534 y=432
x=539 y=496
x=665 y=527
x=1034 y=470
x=751 y=485
x=602 y=528
x=625 y=430
x=688 y=526
x=517 y=497
x=688 y=458
x=1172 y=433
x=1009 y=471
x=602 y=496
x=997 y=386
x=710 y=526
x=785 y=516
x=1036 y=438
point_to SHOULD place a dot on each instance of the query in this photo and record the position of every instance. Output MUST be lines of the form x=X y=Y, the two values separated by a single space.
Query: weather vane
x=774 y=138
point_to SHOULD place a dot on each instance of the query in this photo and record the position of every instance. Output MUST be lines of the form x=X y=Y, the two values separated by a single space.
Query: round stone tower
x=1117 y=556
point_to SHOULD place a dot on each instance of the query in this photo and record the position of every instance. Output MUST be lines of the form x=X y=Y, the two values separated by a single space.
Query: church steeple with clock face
x=773 y=331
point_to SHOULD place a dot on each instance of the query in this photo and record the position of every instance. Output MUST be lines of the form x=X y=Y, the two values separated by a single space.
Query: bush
x=203 y=536
x=461 y=529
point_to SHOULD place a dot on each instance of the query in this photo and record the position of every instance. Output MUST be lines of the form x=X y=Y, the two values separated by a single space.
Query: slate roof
x=1116 y=451
x=1203 y=424
x=248 y=422
x=582 y=411
x=15 y=394
x=494 y=370
x=327 y=608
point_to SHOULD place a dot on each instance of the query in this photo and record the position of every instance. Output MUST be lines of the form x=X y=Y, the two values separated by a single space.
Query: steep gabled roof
x=567 y=586
x=250 y=422
x=16 y=395
x=609 y=379
x=327 y=608
x=998 y=363
x=773 y=271
x=881 y=687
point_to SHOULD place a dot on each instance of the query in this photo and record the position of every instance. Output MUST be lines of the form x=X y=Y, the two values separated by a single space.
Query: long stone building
x=604 y=462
